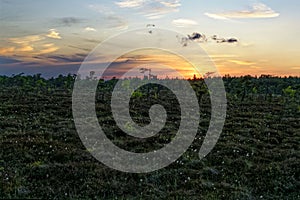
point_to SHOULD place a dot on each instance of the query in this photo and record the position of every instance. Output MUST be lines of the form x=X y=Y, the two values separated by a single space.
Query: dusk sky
x=53 y=37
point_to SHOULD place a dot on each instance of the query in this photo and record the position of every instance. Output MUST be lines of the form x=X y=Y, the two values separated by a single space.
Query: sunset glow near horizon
x=246 y=37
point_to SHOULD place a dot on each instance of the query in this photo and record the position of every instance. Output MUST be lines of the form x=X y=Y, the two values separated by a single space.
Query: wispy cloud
x=48 y=48
x=183 y=22
x=29 y=46
x=109 y=19
x=258 y=10
x=26 y=39
x=240 y=62
x=26 y=48
x=130 y=3
x=151 y=9
x=222 y=56
x=101 y=9
x=76 y=58
x=53 y=34
x=171 y=4
x=115 y=22
x=256 y=67
x=21 y=44
x=295 y=68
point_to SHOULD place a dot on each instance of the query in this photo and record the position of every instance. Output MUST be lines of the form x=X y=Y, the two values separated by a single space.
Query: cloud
x=21 y=44
x=48 y=48
x=158 y=9
x=224 y=40
x=171 y=4
x=114 y=21
x=240 y=62
x=197 y=36
x=258 y=10
x=47 y=70
x=295 y=68
x=48 y=45
x=183 y=22
x=4 y=60
x=80 y=48
x=109 y=19
x=53 y=34
x=230 y=40
x=7 y=50
x=130 y=3
x=151 y=9
x=90 y=29
x=26 y=39
x=76 y=58
x=101 y=9
x=69 y=21
x=216 y=56
x=28 y=46
x=216 y=16
x=140 y=3
x=200 y=37
x=255 y=67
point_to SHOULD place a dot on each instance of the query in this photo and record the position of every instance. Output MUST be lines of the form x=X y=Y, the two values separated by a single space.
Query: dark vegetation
x=256 y=157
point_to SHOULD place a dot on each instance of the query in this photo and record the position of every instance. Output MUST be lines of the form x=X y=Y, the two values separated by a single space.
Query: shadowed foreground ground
x=257 y=156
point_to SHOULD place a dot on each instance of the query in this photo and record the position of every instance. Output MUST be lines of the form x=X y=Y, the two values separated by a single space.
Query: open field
x=256 y=157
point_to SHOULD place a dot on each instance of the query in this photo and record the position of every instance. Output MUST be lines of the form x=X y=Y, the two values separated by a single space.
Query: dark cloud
x=121 y=66
x=232 y=40
x=224 y=40
x=196 y=36
x=150 y=25
x=92 y=40
x=73 y=58
x=69 y=21
x=80 y=48
x=5 y=60
x=183 y=40
x=199 y=37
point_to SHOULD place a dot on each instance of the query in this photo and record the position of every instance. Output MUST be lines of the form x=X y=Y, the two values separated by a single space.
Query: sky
x=240 y=36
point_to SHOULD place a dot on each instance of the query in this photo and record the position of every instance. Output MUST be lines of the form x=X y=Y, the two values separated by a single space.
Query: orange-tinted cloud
x=48 y=50
x=27 y=47
x=53 y=34
x=159 y=62
x=241 y=62
x=26 y=39
x=6 y=50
